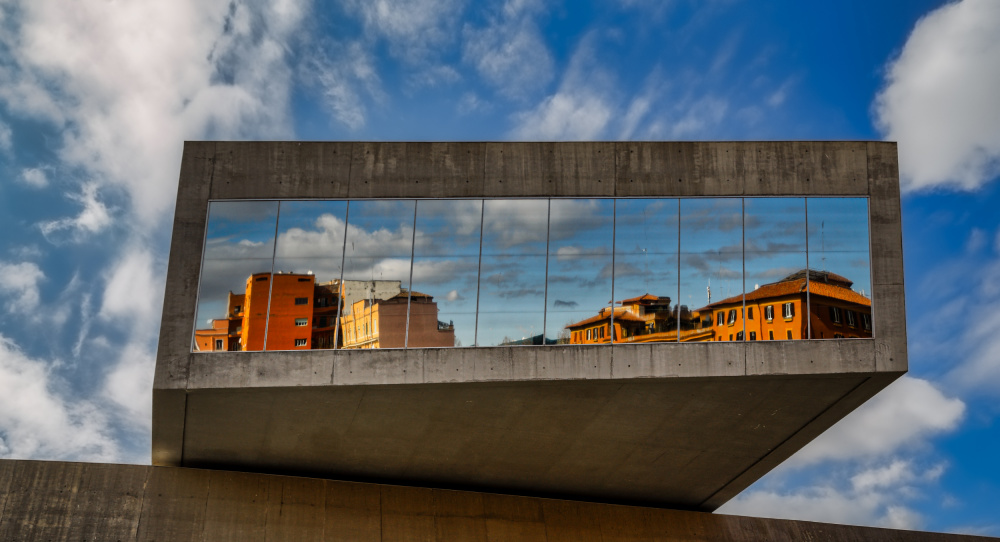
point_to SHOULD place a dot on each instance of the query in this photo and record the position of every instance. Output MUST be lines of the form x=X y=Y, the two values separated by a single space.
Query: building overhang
x=686 y=425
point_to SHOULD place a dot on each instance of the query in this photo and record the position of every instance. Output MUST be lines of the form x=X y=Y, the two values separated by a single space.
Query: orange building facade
x=777 y=311
x=647 y=318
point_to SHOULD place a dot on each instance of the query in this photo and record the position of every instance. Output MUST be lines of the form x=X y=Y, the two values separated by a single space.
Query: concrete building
x=621 y=440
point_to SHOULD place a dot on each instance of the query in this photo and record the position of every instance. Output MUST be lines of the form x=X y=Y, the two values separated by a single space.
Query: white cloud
x=581 y=109
x=130 y=383
x=125 y=91
x=414 y=29
x=344 y=75
x=37 y=422
x=19 y=285
x=34 y=177
x=940 y=98
x=878 y=495
x=93 y=218
x=905 y=413
x=510 y=52
x=132 y=289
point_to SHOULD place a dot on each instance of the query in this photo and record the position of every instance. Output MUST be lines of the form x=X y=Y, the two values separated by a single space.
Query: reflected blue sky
x=446 y=261
x=838 y=239
x=579 y=279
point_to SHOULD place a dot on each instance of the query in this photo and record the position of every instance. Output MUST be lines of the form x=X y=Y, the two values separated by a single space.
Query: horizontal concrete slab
x=678 y=442
x=77 y=501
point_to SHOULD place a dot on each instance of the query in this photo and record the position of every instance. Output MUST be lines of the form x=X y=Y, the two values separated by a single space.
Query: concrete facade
x=684 y=425
x=76 y=501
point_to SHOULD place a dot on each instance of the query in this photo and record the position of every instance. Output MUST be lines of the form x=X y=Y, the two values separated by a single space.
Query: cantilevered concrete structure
x=542 y=443
x=684 y=426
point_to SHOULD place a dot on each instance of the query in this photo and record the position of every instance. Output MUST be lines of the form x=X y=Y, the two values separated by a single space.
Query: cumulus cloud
x=940 y=98
x=877 y=496
x=908 y=411
x=38 y=422
x=125 y=92
x=19 y=286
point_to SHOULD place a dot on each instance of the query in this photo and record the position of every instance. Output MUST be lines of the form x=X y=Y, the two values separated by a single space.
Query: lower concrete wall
x=79 y=501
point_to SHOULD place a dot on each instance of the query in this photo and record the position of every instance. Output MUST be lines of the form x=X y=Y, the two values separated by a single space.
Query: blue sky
x=97 y=97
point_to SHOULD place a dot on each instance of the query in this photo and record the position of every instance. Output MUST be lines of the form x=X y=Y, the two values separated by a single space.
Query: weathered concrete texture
x=679 y=442
x=888 y=302
x=76 y=501
x=430 y=170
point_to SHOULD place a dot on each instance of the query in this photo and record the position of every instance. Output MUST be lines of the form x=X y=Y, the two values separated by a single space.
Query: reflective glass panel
x=646 y=241
x=774 y=269
x=445 y=273
x=375 y=290
x=305 y=290
x=711 y=269
x=579 y=278
x=235 y=276
x=512 y=276
x=840 y=284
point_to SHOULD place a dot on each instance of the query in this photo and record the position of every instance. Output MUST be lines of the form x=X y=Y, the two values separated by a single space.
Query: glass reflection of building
x=772 y=312
x=776 y=311
x=304 y=315
x=531 y=272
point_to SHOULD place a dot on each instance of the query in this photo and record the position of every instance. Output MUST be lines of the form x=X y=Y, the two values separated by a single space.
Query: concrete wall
x=269 y=170
x=78 y=501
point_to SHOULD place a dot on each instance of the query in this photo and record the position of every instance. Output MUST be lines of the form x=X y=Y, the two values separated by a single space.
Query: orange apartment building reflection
x=773 y=312
x=303 y=316
x=647 y=318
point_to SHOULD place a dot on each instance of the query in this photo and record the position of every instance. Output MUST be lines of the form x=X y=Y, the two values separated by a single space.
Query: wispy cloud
x=345 y=75
x=93 y=218
x=940 y=98
x=581 y=109
x=415 y=30
x=510 y=52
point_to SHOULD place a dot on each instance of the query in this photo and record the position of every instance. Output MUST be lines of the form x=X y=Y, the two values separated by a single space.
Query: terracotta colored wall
x=759 y=325
x=255 y=311
x=281 y=329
